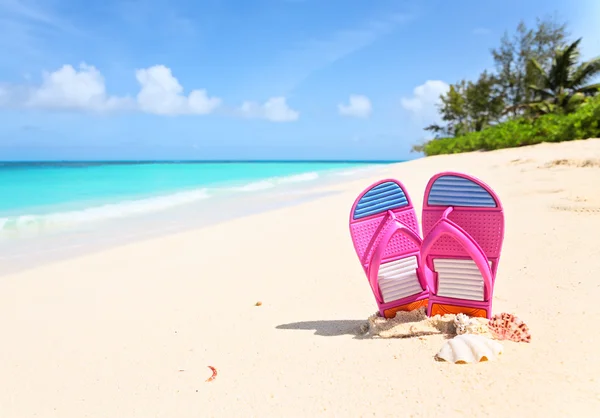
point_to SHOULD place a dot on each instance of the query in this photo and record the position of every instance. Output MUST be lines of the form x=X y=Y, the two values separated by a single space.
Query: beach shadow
x=358 y=329
x=329 y=328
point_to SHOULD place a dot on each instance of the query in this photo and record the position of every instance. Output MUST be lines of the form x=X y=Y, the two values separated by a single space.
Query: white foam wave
x=257 y=185
x=104 y=212
x=298 y=178
x=275 y=181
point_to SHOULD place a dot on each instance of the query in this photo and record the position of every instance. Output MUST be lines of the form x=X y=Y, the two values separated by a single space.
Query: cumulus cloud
x=358 y=107
x=275 y=109
x=162 y=94
x=70 y=88
x=422 y=104
x=84 y=88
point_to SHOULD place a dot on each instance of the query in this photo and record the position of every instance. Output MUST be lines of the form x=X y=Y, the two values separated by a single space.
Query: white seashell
x=462 y=322
x=469 y=348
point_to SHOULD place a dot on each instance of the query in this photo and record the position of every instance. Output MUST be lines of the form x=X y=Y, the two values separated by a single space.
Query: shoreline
x=34 y=253
x=130 y=331
x=119 y=204
x=78 y=240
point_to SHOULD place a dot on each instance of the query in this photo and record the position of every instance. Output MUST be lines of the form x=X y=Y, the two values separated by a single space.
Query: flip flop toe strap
x=447 y=227
x=373 y=268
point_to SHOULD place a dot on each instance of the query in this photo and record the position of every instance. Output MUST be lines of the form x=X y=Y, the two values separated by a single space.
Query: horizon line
x=193 y=161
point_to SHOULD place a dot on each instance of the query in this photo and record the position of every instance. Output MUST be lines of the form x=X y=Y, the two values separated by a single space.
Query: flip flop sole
x=399 y=285
x=457 y=284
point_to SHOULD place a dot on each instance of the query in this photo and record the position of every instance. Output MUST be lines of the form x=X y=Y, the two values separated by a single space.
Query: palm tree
x=564 y=86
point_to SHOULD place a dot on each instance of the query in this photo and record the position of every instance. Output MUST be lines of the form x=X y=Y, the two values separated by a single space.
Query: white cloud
x=84 y=89
x=161 y=94
x=422 y=104
x=358 y=107
x=275 y=109
x=69 y=88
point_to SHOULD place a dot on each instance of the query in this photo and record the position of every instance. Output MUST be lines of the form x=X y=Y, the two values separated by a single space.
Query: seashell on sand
x=462 y=322
x=469 y=348
x=507 y=326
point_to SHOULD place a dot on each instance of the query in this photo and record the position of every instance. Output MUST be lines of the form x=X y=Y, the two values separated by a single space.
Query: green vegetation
x=552 y=127
x=539 y=92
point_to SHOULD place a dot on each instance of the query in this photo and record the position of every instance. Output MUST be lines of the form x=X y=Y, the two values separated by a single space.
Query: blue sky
x=243 y=79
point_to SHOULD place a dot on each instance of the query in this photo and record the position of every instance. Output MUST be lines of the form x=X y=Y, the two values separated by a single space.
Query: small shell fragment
x=214 y=374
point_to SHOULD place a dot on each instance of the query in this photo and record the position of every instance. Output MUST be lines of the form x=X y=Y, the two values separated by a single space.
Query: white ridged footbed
x=398 y=279
x=459 y=279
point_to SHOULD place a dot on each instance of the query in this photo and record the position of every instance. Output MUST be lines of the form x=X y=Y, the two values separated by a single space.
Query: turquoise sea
x=38 y=195
x=57 y=210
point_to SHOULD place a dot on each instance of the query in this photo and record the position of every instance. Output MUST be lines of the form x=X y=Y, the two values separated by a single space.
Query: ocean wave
x=103 y=212
x=275 y=181
x=45 y=222
x=255 y=186
x=298 y=178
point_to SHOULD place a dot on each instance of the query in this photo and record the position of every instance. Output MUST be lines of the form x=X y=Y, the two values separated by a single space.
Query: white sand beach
x=130 y=331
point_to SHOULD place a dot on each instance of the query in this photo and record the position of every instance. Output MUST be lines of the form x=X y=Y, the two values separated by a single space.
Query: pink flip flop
x=463 y=229
x=385 y=234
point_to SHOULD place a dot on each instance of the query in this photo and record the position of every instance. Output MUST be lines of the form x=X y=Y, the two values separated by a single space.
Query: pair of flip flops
x=451 y=268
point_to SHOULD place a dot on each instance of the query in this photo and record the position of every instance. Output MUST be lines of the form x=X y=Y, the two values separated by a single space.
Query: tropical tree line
x=537 y=72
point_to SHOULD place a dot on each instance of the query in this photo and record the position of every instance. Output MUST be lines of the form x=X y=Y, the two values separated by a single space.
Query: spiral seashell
x=469 y=348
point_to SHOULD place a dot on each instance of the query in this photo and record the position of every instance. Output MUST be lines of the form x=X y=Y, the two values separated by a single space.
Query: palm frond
x=585 y=72
x=539 y=71
x=542 y=92
x=564 y=60
x=590 y=90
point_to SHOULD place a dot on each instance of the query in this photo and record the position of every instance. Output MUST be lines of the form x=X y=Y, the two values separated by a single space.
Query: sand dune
x=129 y=332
